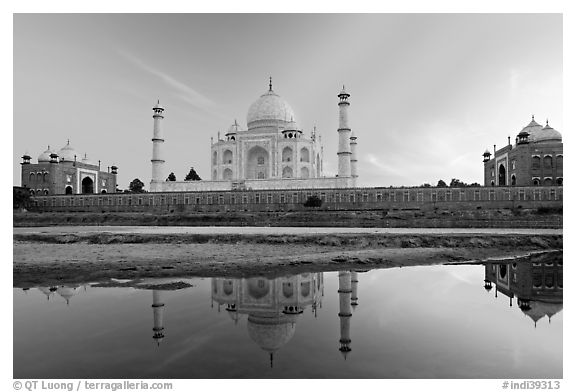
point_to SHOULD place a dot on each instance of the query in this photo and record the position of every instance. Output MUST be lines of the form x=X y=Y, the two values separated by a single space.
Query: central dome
x=269 y=110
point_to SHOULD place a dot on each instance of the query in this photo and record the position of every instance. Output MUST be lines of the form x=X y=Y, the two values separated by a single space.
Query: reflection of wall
x=272 y=305
x=537 y=284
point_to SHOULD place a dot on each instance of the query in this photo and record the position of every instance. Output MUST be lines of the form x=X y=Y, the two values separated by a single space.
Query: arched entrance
x=87 y=185
x=502 y=175
x=68 y=190
x=257 y=164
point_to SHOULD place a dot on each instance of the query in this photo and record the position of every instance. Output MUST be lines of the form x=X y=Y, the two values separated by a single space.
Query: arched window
x=68 y=190
x=547 y=181
x=304 y=155
x=287 y=154
x=46 y=191
x=214 y=175
x=547 y=162
x=45 y=177
x=559 y=161
x=32 y=178
x=32 y=192
x=287 y=289
x=215 y=158
x=535 y=162
x=287 y=172
x=227 y=157
x=559 y=181
x=513 y=179
x=103 y=191
x=260 y=160
x=227 y=175
x=536 y=181
x=261 y=175
x=304 y=173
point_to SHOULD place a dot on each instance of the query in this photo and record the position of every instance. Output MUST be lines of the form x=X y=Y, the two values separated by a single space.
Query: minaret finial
x=546 y=122
x=68 y=143
x=532 y=117
x=270 y=84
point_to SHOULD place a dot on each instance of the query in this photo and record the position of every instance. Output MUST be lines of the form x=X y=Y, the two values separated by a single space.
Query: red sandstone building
x=535 y=159
x=64 y=173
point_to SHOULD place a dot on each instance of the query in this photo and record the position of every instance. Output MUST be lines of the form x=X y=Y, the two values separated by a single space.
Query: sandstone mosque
x=271 y=153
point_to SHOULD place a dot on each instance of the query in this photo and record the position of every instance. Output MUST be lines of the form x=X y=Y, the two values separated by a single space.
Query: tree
x=441 y=184
x=313 y=201
x=136 y=186
x=171 y=177
x=456 y=183
x=192 y=175
x=426 y=185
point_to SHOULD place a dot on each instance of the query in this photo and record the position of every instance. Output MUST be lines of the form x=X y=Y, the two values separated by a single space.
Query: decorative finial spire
x=546 y=122
x=270 y=84
x=532 y=117
x=68 y=143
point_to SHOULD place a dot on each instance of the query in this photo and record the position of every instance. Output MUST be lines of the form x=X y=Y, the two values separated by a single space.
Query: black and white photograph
x=288 y=195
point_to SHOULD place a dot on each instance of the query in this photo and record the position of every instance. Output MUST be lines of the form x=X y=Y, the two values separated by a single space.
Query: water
x=458 y=321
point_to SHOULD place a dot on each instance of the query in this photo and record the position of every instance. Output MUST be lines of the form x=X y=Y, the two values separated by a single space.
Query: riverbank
x=51 y=256
x=399 y=218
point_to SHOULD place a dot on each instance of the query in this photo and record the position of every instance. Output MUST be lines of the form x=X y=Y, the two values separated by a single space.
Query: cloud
x=185 y=92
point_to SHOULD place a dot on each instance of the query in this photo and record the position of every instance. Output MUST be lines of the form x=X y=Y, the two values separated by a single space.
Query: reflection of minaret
x=158 y=309
x=345 y=292
x=354 y=298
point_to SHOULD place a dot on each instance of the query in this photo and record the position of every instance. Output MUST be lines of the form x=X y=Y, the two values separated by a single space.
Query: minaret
x=344 y=152
x=353 y=159
x=354 y=298
x=158 y=309
x=344 y=292
x=157 y=142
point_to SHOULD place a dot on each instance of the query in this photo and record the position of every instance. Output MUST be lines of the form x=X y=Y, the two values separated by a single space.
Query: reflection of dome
x=268 y=110
x=67 y=153
x=45 y=156
x=66 y=292
x=270 y=331
x=539 y=309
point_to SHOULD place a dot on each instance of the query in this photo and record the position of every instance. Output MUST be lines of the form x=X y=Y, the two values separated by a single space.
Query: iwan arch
x=272 y=153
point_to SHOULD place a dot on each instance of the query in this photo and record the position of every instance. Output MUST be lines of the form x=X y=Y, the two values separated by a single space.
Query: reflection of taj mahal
x=272 y=153
x=274 y=306
x=537 y=285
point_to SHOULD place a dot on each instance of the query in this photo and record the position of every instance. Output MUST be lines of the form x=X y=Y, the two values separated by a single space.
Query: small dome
x=292 y=126
x=487 y=152
x=87 y=160
x=67 y=153
x=268 y=110
x=45 y=156
x=547 y=134
x=234 y=128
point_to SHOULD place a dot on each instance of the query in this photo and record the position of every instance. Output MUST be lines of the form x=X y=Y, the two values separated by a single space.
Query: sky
x=429 y=92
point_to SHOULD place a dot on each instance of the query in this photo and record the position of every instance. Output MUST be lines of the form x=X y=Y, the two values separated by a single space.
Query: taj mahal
x=271 y=153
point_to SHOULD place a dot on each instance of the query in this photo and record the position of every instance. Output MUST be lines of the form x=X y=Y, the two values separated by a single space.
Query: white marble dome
x=67 y=153
x=268 y=110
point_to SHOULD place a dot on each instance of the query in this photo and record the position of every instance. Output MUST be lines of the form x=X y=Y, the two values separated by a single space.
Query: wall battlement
x=294 y=199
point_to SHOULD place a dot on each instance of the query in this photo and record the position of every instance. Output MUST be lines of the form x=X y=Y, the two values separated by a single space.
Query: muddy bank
x=52 y=258
x=553 y=241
